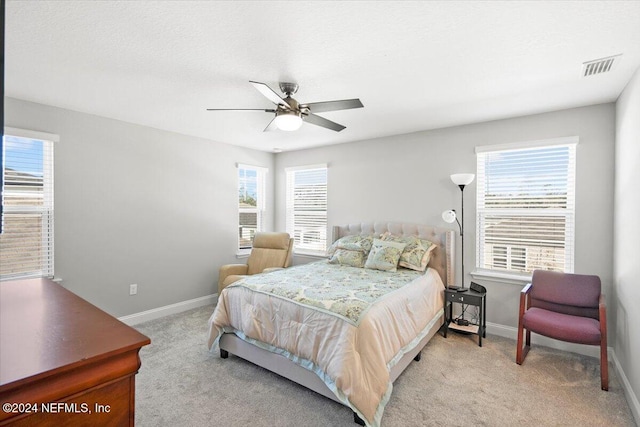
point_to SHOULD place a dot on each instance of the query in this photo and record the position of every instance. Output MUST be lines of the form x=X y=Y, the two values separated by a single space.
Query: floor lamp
x=461 y=180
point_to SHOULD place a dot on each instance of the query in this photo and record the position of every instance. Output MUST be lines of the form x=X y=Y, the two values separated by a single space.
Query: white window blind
x=26 y=242
x=526 y=206
x=307 y=208
x=251 y=203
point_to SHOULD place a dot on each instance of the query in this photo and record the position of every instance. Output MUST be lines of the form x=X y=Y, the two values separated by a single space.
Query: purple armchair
x=567 y=307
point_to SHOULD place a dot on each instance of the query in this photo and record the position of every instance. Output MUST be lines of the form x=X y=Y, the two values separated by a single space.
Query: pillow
x=355 y=242
x=347 y=257
x=384 y=255
x=416 y=254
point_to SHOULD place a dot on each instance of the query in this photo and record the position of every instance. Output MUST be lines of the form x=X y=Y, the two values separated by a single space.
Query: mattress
x=348 y=325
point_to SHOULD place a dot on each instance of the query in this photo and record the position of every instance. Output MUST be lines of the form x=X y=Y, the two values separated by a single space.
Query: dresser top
x=45 y=329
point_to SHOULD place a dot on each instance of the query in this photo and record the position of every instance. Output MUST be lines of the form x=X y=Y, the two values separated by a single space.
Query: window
x=526 y=206
x=26 y=243
x=251 y=205
x=307 y=208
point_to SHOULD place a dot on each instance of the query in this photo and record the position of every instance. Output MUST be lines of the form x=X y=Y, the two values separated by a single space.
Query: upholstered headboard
x=443 y=257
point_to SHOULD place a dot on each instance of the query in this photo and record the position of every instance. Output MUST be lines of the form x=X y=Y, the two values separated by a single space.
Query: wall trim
x=499 y=277
x=632 y=399
x=32 y=134
x=156 y=313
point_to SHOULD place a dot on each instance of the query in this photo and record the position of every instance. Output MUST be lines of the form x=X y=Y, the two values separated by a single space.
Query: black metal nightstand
x=478 y=298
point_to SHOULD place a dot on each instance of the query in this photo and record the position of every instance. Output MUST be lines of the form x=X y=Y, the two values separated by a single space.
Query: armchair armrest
x=524 y=299
x=231 y=269
x=602 y=310
x=525 y=303
x=270 y=269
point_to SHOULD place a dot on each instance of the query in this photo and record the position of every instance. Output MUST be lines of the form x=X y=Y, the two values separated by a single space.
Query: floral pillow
x=355 y=242
x=384 y=255
x=417 y=252
x=348 y=257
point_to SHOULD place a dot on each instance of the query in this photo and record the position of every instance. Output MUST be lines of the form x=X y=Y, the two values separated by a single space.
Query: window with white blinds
x=26 y=242
x=251 y=204
x=526 y=206
x=307 y=208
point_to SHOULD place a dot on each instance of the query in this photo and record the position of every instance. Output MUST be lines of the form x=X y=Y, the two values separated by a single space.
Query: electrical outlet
x=133 y=289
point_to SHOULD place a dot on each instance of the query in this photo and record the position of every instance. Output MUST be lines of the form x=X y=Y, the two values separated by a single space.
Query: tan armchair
x=271 y=251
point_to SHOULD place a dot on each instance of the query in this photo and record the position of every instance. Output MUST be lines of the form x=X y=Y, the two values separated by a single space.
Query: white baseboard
x=587 y=350
x=632 y=399
x=156 y=313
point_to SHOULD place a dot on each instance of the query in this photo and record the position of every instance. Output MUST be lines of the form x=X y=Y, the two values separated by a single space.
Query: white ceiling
x=414 y=65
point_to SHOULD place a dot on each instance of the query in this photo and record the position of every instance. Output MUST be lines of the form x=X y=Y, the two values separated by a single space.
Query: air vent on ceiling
x=599 y=66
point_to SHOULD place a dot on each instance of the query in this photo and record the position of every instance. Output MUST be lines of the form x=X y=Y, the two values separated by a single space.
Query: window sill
x=310 y=254
x=243 y=254
x=502 y=277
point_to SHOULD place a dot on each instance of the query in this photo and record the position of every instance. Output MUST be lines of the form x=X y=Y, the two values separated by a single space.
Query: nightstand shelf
x=476 y=298
x=470 y=328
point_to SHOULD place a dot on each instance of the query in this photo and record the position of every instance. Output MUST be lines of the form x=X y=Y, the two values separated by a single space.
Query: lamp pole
x=462 y=229
x=462 y=180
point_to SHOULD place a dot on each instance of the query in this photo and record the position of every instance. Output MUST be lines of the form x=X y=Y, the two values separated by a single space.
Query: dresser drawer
x=463 y=297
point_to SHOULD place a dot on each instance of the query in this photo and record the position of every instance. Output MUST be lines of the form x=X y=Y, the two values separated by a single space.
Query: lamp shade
x=288 y=121
x=462 y=178
x=449 y=216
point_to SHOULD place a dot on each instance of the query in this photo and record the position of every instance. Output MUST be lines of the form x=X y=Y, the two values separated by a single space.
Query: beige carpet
x=456 y=383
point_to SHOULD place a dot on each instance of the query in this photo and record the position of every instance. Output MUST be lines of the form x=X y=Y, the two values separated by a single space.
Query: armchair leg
x=522 y=350
x=604 y=367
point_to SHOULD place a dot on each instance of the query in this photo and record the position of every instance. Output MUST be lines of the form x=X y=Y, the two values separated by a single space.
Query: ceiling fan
x=289 y=113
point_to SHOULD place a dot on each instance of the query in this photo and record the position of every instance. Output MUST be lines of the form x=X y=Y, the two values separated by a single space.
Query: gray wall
x=627 y=235
x=139 y=205
x=406 y=178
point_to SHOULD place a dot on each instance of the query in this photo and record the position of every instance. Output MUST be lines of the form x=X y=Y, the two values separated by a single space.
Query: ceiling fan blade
x=271 y=126
x=321 y=121
x=270 y=94
x=241 y=109
x=343 y=104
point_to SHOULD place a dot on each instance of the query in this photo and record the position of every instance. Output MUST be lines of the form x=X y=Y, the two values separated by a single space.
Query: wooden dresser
x=63 y=361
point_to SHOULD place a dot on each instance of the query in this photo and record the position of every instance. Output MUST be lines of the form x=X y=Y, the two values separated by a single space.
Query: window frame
x=259 y=210
x=508 y=275
x=290 y=225
x=47 y=209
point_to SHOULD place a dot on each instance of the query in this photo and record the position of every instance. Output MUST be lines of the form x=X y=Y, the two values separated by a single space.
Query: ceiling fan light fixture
x=288 y=120
x=290 y=113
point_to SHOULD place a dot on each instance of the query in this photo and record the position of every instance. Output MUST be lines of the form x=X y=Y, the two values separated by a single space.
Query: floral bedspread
x=347 y=292
x=348 y=325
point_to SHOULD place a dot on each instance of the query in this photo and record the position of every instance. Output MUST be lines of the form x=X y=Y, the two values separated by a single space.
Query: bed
x=297 y=323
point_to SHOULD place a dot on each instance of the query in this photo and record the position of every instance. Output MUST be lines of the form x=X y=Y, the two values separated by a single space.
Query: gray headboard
x=443 y=257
